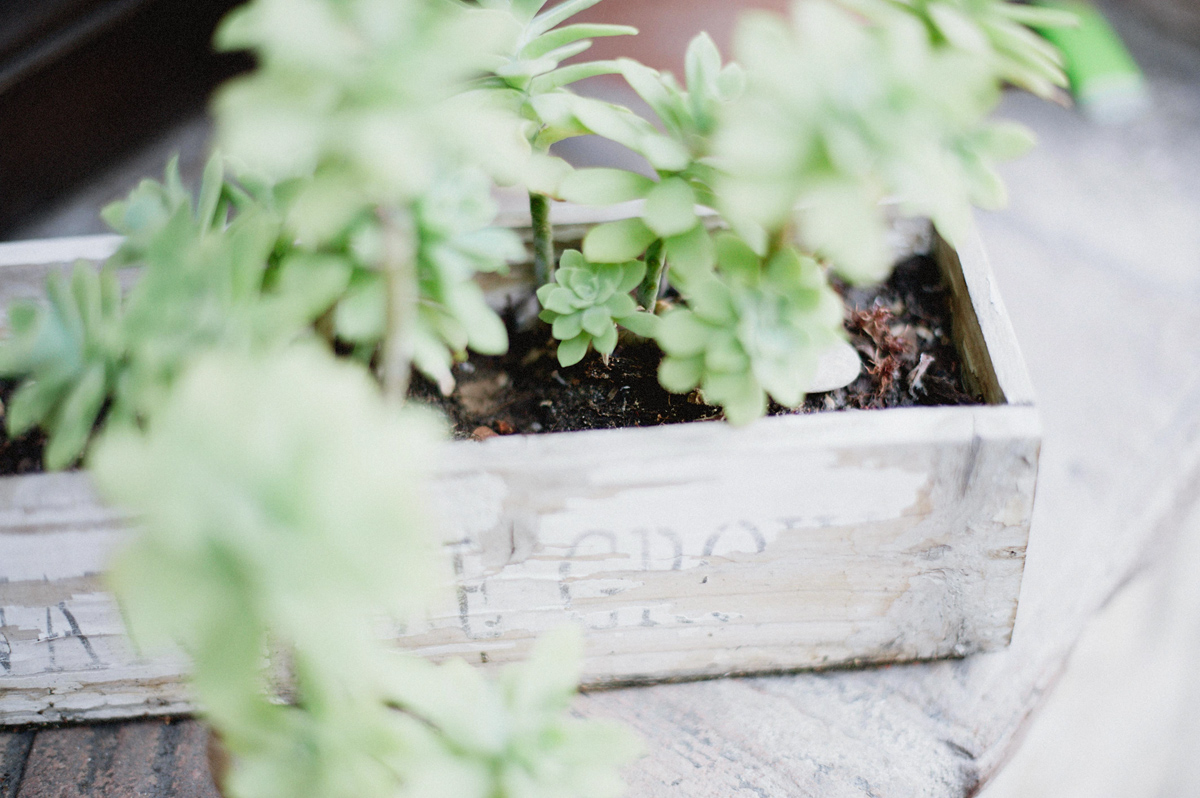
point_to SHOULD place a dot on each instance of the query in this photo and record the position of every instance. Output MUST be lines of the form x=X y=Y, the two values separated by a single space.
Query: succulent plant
x=994 y=31
x=68 y=353
x=249 y=480
x=587 y=301
x=513 y=737
x=203 y=284
x=750 y=330
x=533 y=85
x=838 y=114
x=669 y=230
x=454 y=243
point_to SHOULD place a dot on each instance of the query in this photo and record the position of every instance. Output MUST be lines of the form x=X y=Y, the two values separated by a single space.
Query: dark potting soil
x=901 y=330
x=23 y=454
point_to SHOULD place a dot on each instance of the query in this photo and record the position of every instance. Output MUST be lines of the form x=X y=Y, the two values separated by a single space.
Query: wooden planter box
x=685 y=551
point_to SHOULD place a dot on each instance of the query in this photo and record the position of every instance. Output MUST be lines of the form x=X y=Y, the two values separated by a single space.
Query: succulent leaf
x=614 y=242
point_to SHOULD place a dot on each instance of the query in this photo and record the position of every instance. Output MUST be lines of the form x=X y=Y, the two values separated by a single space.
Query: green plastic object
x=1105 y=80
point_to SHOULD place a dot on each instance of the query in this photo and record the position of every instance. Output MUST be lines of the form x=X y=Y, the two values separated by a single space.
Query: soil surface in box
x=901 y=330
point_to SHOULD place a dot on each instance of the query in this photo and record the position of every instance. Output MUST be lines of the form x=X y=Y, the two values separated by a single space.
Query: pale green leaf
x=31 y=404
x=640 y=323
x=559 y=37
x=1005 y=140
x=313 y=281
x=647 y=82
x=211 y=185
x=572 y=350
x=711 y=300
x=620 y=305
x=525 y=10
x=602 y=186
x=1037 y=16
x=986 y=186
x=691 y=254
x=702 y=66
x=597 y=321
x=664 y=154
x=725 y=354
x=680 y=374
x=557 y=299
x=564 y=76
x=606 y=342
x=567 y=327
x=958 y=28
x=572 y=259
x=632 y=273
x=557 y=15
x=75 y=419
x=682 y=334
x=359 y=316
x=739 y=395
x=616 y=242
x=736 y=258
x=670 y=208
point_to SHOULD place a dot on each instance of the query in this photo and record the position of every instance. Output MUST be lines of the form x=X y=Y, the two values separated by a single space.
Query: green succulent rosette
x=750 y=330
x=587 y=301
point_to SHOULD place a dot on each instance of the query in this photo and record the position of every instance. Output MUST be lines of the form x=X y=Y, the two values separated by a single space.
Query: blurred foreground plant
x=280 y=506
x=208 y=279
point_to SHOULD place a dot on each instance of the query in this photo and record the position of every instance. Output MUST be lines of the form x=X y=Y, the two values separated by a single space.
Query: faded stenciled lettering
x=594 y=567
x=47 y=638
x=475 y=624
x=735 y=538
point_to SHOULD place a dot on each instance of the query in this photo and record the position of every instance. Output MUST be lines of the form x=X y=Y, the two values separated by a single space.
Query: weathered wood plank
x=802 y=541
x=992 y=362
x=57 y=250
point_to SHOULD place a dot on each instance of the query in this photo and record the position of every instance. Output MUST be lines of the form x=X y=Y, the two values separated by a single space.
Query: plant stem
x=402 y=296
x=781 y=239
x=647 y=293
x=543 y=238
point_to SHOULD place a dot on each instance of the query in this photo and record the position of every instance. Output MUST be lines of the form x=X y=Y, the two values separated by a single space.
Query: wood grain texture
x=684 y=550
x=983 y=333
x=700 y=549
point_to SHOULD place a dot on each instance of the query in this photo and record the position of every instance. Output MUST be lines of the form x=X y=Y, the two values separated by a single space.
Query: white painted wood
x=702 y=550
x=982 y=326
x=685 y=551
x=58 y=250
